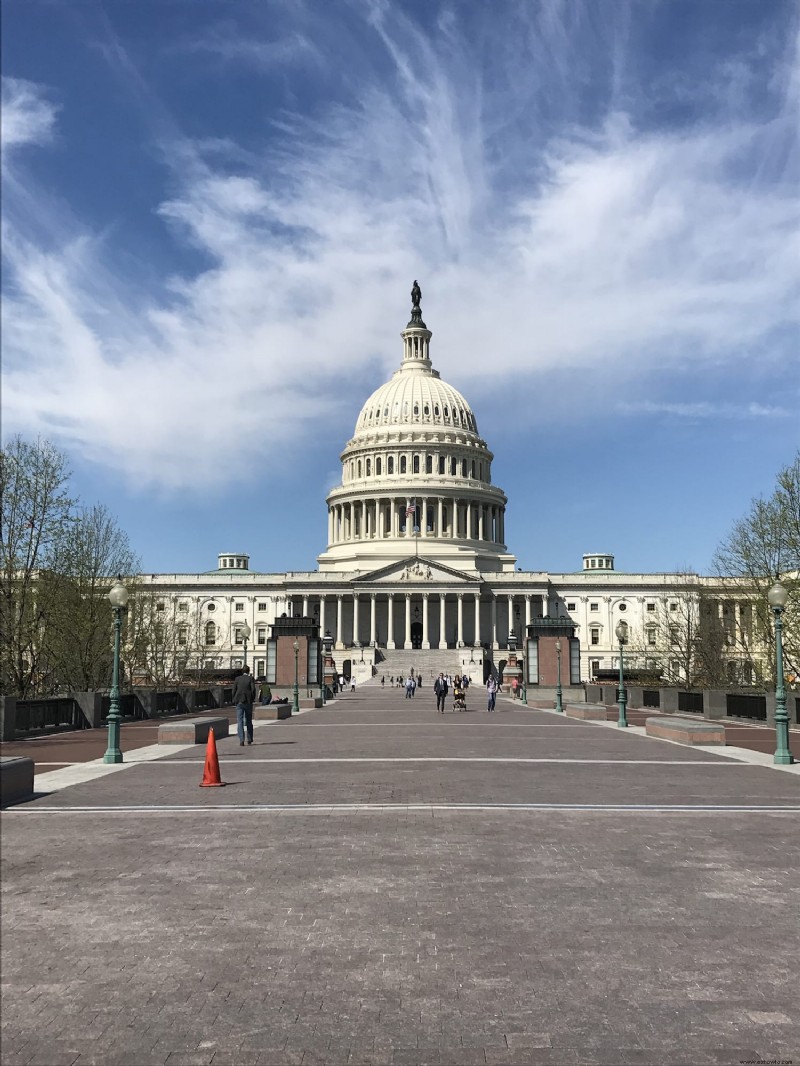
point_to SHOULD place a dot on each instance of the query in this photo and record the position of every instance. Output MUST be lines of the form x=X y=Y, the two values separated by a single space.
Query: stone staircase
x=428 y=663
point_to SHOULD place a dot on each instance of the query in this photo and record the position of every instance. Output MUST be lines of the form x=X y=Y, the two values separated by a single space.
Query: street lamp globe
x=777 y=596
x=246 y=631
x=118 y=594
x=622 y=632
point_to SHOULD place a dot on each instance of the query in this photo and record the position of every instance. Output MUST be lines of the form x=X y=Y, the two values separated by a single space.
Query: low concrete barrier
x=272 y=712
x=192 y=730
x=587 y=712
x=16 y=779
x=685 y=730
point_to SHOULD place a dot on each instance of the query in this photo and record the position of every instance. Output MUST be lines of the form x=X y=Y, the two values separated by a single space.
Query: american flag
x=411 y=509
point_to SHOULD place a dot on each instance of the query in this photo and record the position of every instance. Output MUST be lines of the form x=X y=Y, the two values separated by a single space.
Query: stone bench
x=685 y=730
x=192 y=730
x=272 y=712
x=587 y=712
x=16 y=779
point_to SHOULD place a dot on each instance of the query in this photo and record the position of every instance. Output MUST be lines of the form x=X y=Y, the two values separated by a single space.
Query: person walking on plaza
x=266 y=693
x=353 y=683
x=244 y=693
x=440 y=689
x=383 y=680
x=491 y=692
x=409 y=688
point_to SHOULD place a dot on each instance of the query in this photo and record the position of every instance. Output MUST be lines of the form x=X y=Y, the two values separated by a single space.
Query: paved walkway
x=380 y=884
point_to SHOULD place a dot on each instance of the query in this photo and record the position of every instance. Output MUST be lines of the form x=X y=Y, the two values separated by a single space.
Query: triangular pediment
x=415 y=570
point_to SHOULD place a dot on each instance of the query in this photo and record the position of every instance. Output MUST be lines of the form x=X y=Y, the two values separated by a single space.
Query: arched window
x=426 y=410
x=359 y=468
x=211 y=633
x=436 y=411
x=386 y=412
x=369 y=467
x=473 y=468
x=416 y=410
x=453 y=467
x=378 y=467
x=405 y=410
x=390 y=465
x=415 y=465
x=444 y=520
x=402 y=464
x=441 y=464
x=446 y=413
x=428 y=464
x=463 y=467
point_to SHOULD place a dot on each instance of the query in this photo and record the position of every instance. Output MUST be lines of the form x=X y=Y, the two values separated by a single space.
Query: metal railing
x=50 y=715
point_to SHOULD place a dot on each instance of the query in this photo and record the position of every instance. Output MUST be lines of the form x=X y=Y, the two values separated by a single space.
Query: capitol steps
x=428 y=663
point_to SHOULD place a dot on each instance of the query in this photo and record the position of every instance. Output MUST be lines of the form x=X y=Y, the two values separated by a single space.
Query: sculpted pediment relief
x=415 y=571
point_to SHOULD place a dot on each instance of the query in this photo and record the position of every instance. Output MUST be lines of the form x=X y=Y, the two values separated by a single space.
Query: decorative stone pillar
x=390 y=622
x=305 y=607
x=381 y=523
x=439 y=524
x=494 y=621
x=372 y=637
x=407 y=634
x=477 y=638
x=481 y=528
x=321 y=615
x=511 y=614
x=460 y=635
x=442 y=634
x=425 y=639
x=469 y=520
x=423 y=516
x=339 y=598
x=527 y=611
x=356 y=641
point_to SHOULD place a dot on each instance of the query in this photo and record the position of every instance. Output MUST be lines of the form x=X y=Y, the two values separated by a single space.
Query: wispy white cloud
x=28 y=117
x=543 y=243
x=706 y=410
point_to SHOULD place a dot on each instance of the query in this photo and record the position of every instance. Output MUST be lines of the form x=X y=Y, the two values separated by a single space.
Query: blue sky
x=213 y=212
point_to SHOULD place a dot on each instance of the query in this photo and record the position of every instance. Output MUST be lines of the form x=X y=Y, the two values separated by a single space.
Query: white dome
x=416 y=397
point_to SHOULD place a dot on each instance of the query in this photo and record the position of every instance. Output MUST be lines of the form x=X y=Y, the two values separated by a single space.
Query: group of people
x=459 y=684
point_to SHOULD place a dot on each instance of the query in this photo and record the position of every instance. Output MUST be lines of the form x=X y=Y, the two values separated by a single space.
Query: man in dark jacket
x=244 y=692
x=440 y=688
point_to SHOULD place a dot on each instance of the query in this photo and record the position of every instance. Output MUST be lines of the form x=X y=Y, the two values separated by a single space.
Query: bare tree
x=761 y=547
x=35 y=523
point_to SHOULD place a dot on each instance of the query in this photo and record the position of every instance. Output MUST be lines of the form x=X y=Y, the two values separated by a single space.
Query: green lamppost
x=245 y=631
x=777 y=597
x=118 y=597
x=295 y=692
x=622 y=696
x=559 y=703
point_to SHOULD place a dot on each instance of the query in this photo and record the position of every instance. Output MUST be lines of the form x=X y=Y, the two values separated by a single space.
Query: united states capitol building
x=416 y=561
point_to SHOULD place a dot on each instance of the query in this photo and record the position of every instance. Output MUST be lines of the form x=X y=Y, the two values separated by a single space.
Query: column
x=423 y=516
x=477 y=638
x=494 y=621
x=321 y=615
x=394 y=519
x=381 y=522
x=480 y=522
x=372 y=637
x=511 y=613
x=469 y=520
x=356 y=641
x=339 y=598
x=527 y=611
x=305 y=607
x=390 y=623
x=407 y=634
x=439 y=530
x=460 y=618
x=442 y=634
x=502 y=525
x=425 y=639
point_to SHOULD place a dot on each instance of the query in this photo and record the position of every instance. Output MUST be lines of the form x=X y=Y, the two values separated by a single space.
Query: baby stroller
x=459 y=699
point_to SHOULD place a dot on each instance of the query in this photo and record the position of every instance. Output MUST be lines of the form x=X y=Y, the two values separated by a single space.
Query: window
x=377 y=468
x=473 y=468
x=261 y=636
x=673 y=606
x=463 y=467
x=651 y=607
x=592 y=606
x=594 y=635
x=594 y=563
x=183 y=607
x=160 y=606
x=211 y=633
x=183 y=636
x=426 y=410
x=358 y=468
x=239 y=607
x=416 y=410
x=211 y=607
x=674 y=635
x=428 y=464
x=369 y=467
x=262 y=605
x=623 y=606
x=238 y=637
x=436 y=410
x=441 y=464
x=402 y=464
x=651 y=636
x=570 y=606
x=453 y=467
x=415 y=465
x=390 y=465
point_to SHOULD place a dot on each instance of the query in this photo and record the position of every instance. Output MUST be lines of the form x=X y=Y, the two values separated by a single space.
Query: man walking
x=244 y=692
x=409 y=688
x=491 y=692
x=440 y=688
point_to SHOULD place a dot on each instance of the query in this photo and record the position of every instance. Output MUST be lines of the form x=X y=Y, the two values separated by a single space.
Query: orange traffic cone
x=211 y=775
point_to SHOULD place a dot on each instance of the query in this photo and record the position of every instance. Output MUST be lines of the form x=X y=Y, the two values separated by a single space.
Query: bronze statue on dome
x=416 y=296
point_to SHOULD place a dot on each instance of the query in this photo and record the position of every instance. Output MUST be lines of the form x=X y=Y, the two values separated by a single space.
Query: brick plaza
x=380 y=884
